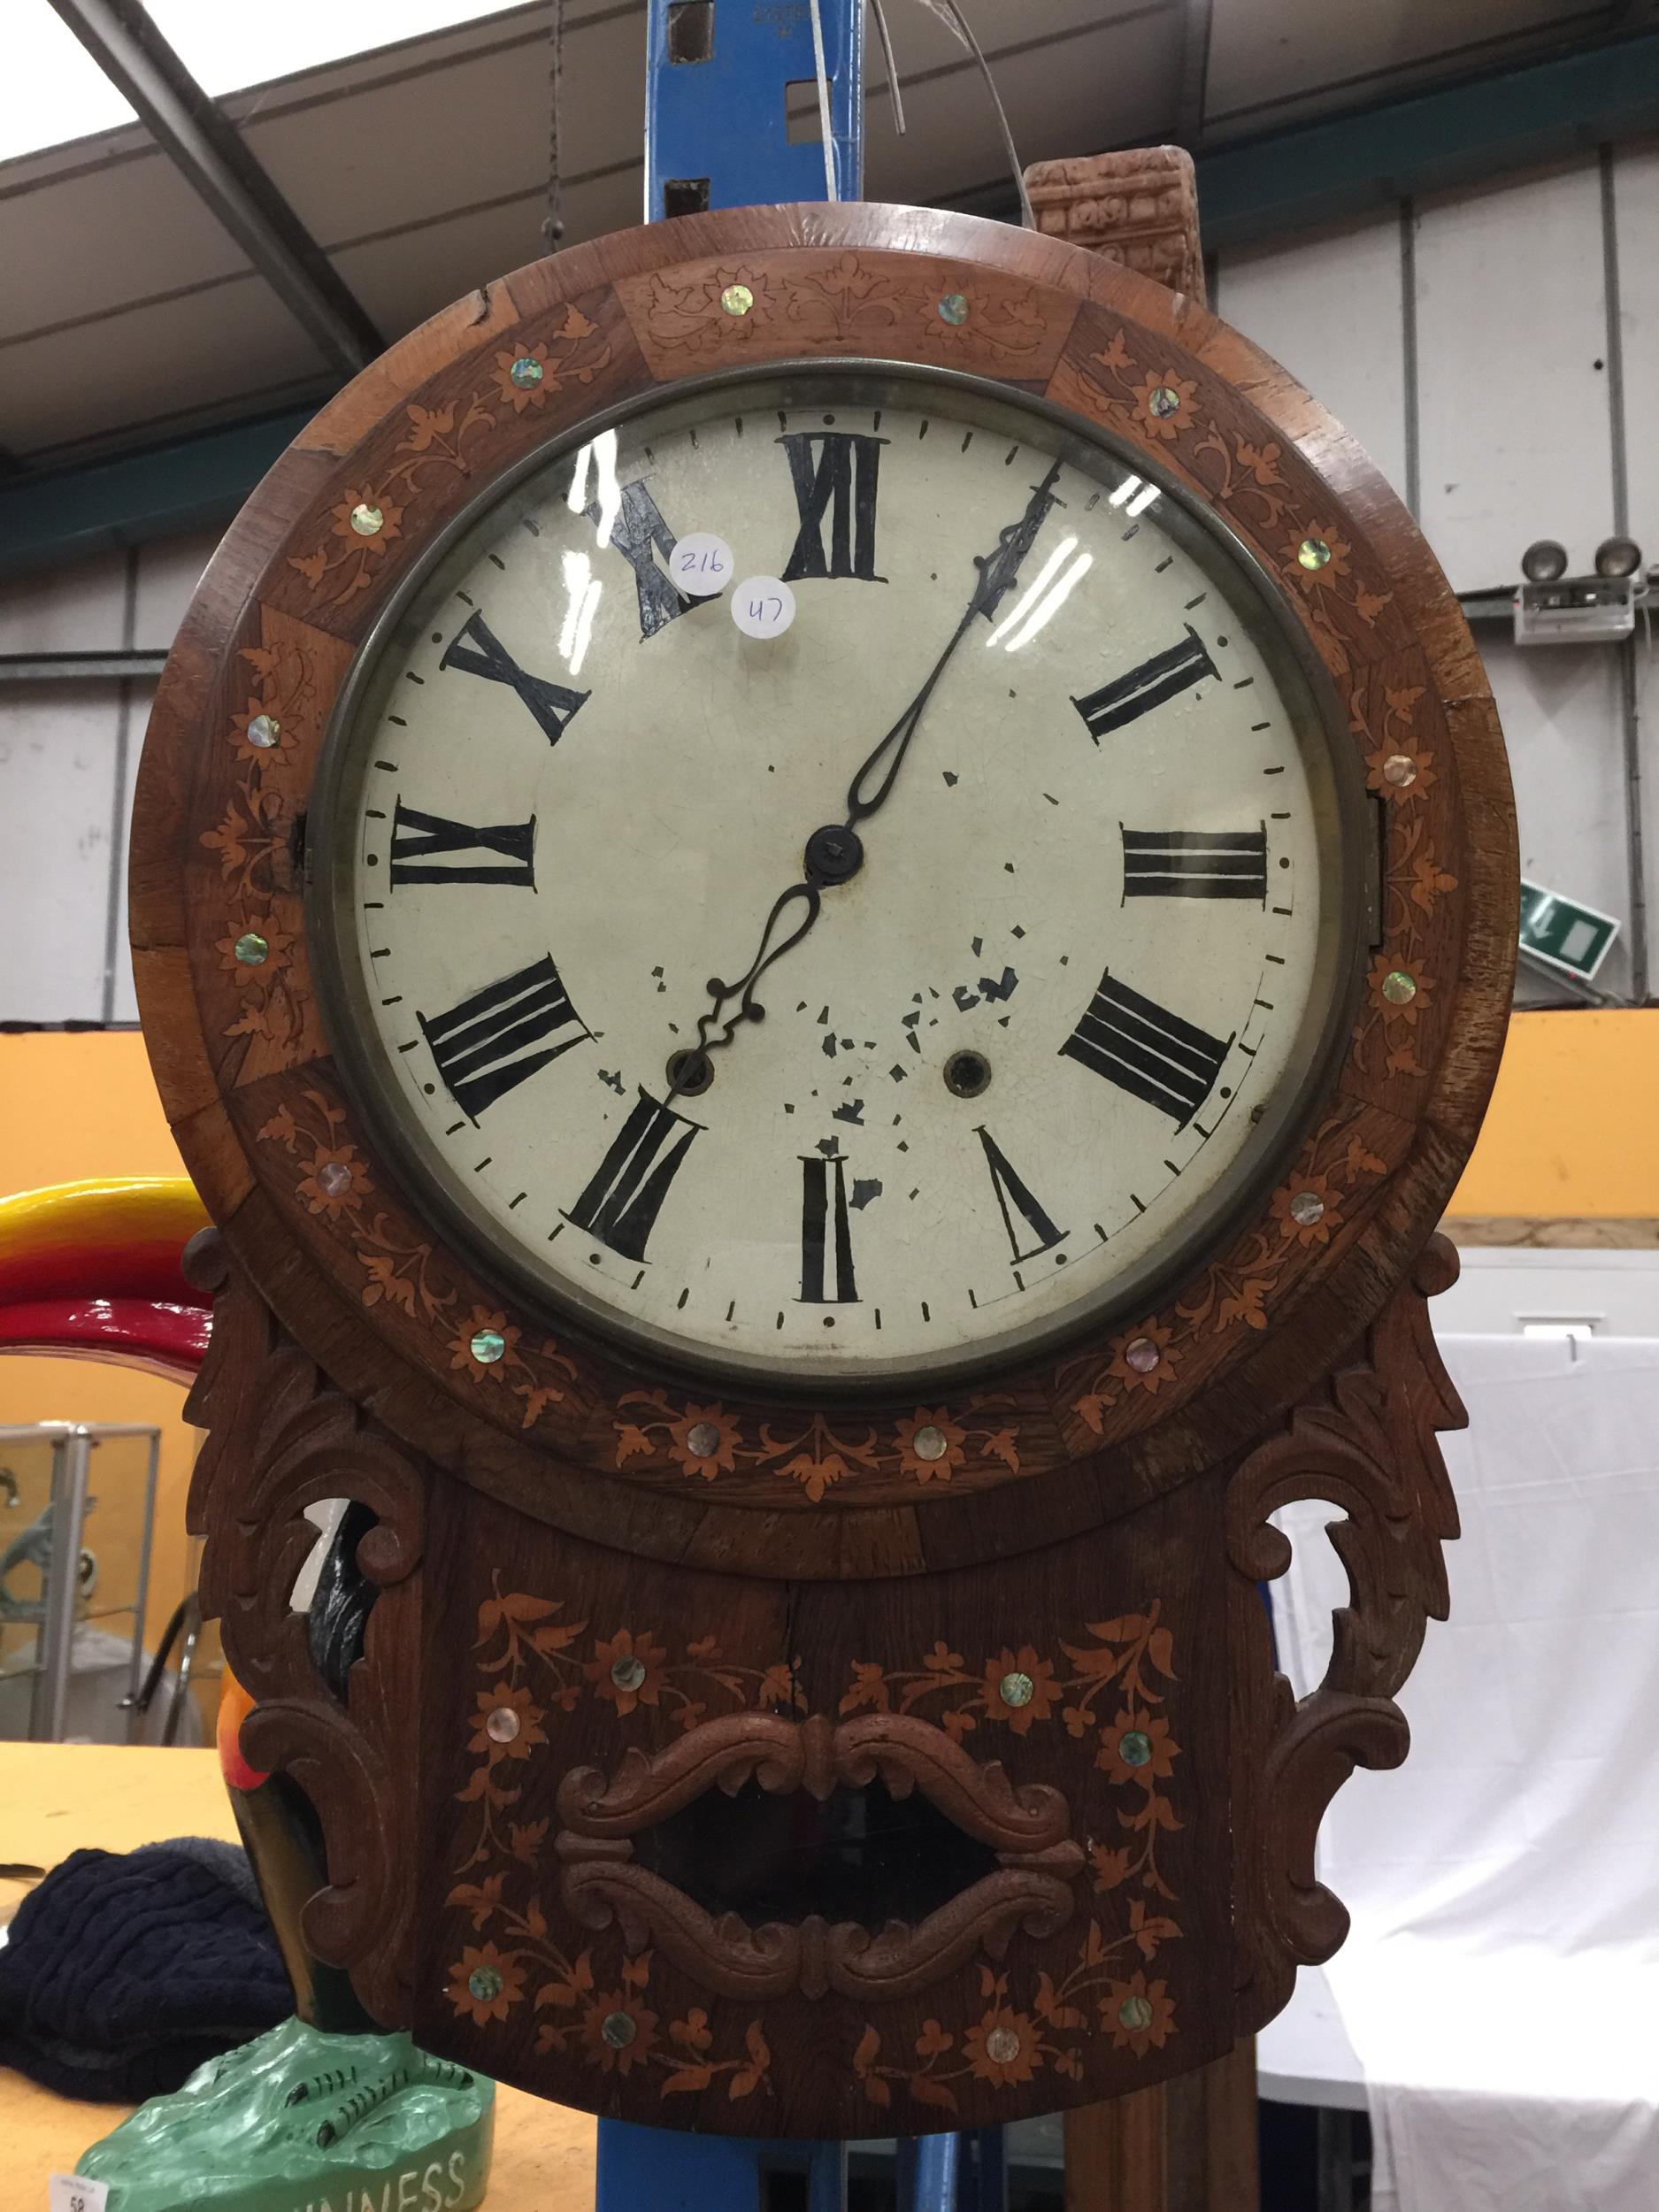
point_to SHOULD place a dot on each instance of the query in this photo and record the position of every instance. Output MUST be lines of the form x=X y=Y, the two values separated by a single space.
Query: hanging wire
x=950 y=14
x=553 y=220
x=831 y=190
x=885 y=36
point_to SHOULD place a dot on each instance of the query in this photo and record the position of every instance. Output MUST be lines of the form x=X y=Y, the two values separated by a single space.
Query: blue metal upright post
x=722 y=78
x=954 y=2173
x=662 y=2169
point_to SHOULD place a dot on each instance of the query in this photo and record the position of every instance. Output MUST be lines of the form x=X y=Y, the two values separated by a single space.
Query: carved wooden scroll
x=814 y=1756
x=1366 y=1442
x=279 y=1439
x=1028 y=1829
x=808 y=1956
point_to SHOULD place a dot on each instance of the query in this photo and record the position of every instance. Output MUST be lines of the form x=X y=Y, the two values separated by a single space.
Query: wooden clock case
x=617 y=1620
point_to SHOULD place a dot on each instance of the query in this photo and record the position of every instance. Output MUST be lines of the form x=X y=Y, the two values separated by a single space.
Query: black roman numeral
x=621 y=1205
x=476 y=651
x=1163 y=677
x=490 y=1042
x=1147 y=1051
x=1022 y=1216
x=1196 y=864
x=431 y=849
x=827 y=1237
x=639 y=533
x=834 y=476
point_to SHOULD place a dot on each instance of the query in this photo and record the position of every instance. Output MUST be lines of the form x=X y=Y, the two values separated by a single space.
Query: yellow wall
x=1574 y=1127
x=76 y=1106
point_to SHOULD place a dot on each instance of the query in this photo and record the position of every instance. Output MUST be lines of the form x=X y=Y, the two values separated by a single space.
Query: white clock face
x=865 y=1002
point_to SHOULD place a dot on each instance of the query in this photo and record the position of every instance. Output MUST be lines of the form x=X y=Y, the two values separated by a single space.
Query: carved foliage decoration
x=1365 y=1440
x=280 y=1439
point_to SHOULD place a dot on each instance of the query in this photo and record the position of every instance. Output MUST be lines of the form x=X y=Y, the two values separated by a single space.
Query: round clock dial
x=838 y=880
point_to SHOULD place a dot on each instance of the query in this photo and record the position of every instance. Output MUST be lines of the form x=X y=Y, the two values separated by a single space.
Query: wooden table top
x=59 y=1798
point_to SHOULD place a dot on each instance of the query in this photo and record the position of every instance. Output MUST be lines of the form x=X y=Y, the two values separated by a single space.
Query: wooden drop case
x=740 y=1766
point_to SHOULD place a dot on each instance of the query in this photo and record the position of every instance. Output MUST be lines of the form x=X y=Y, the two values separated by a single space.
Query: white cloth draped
x=1501 y=1983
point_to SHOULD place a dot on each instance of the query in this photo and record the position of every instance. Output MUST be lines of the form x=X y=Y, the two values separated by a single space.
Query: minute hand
x=999 y=572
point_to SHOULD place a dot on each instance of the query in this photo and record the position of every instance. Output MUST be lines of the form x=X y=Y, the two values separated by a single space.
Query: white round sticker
x=701 y=563
x=762 y=606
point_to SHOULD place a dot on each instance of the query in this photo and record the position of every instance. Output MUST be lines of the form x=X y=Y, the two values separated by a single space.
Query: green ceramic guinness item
x=301 y=2121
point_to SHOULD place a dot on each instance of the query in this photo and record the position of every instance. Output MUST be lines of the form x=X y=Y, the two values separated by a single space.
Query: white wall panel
x=169 y=571
x=1561 y=714
x=57 y=749
x=120 y=1000
x=1516 y=440
x=66 y=610
x=1328 y=308
x=1636 y=201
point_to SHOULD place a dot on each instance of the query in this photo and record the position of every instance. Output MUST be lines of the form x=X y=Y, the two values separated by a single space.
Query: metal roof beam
x=208 y=151
x=1347 y=164
x=1194 y=73
x=93 y=667
x=66 y=515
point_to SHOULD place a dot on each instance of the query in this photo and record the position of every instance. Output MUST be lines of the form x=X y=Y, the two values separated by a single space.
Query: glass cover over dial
x=835 y=882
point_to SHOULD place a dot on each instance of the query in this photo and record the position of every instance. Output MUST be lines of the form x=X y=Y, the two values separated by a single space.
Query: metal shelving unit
x=51 y=1582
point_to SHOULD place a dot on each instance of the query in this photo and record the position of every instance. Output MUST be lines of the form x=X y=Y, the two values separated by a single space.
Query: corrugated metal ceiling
x=127 y=314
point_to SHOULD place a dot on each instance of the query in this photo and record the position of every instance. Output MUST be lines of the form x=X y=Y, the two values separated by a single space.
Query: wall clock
x=823 y=898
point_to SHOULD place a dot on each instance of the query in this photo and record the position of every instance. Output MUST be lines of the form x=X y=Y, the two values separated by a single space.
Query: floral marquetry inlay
x=535 y=1668
x=811 y=303
x=707 y=1442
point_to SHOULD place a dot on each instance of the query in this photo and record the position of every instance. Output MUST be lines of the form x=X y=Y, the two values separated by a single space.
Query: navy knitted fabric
x=122 y=1973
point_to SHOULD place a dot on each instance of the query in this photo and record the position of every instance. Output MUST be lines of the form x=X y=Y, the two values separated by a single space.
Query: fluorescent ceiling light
x=51 y=90
x=227 y=48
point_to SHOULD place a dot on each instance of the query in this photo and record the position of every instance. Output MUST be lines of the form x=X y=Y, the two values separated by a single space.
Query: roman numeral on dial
x=476 y=651
x=639 y=533
x=621 y=1203
x=827 y=1237
x=431 y=849
x=1022 y=1216
x=1165 y=676
x=1147 y=1051
x=834 y=477
x=1196 y=864
x=491 y=1042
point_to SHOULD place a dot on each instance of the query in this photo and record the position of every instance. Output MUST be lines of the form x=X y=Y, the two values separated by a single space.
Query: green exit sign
x=1563 y=933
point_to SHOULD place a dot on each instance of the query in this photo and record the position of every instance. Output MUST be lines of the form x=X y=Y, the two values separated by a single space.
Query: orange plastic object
x=235 y=1705
x=91 y=1270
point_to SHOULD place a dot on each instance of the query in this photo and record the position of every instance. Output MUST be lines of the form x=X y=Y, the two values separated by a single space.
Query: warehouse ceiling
x=129 y=315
